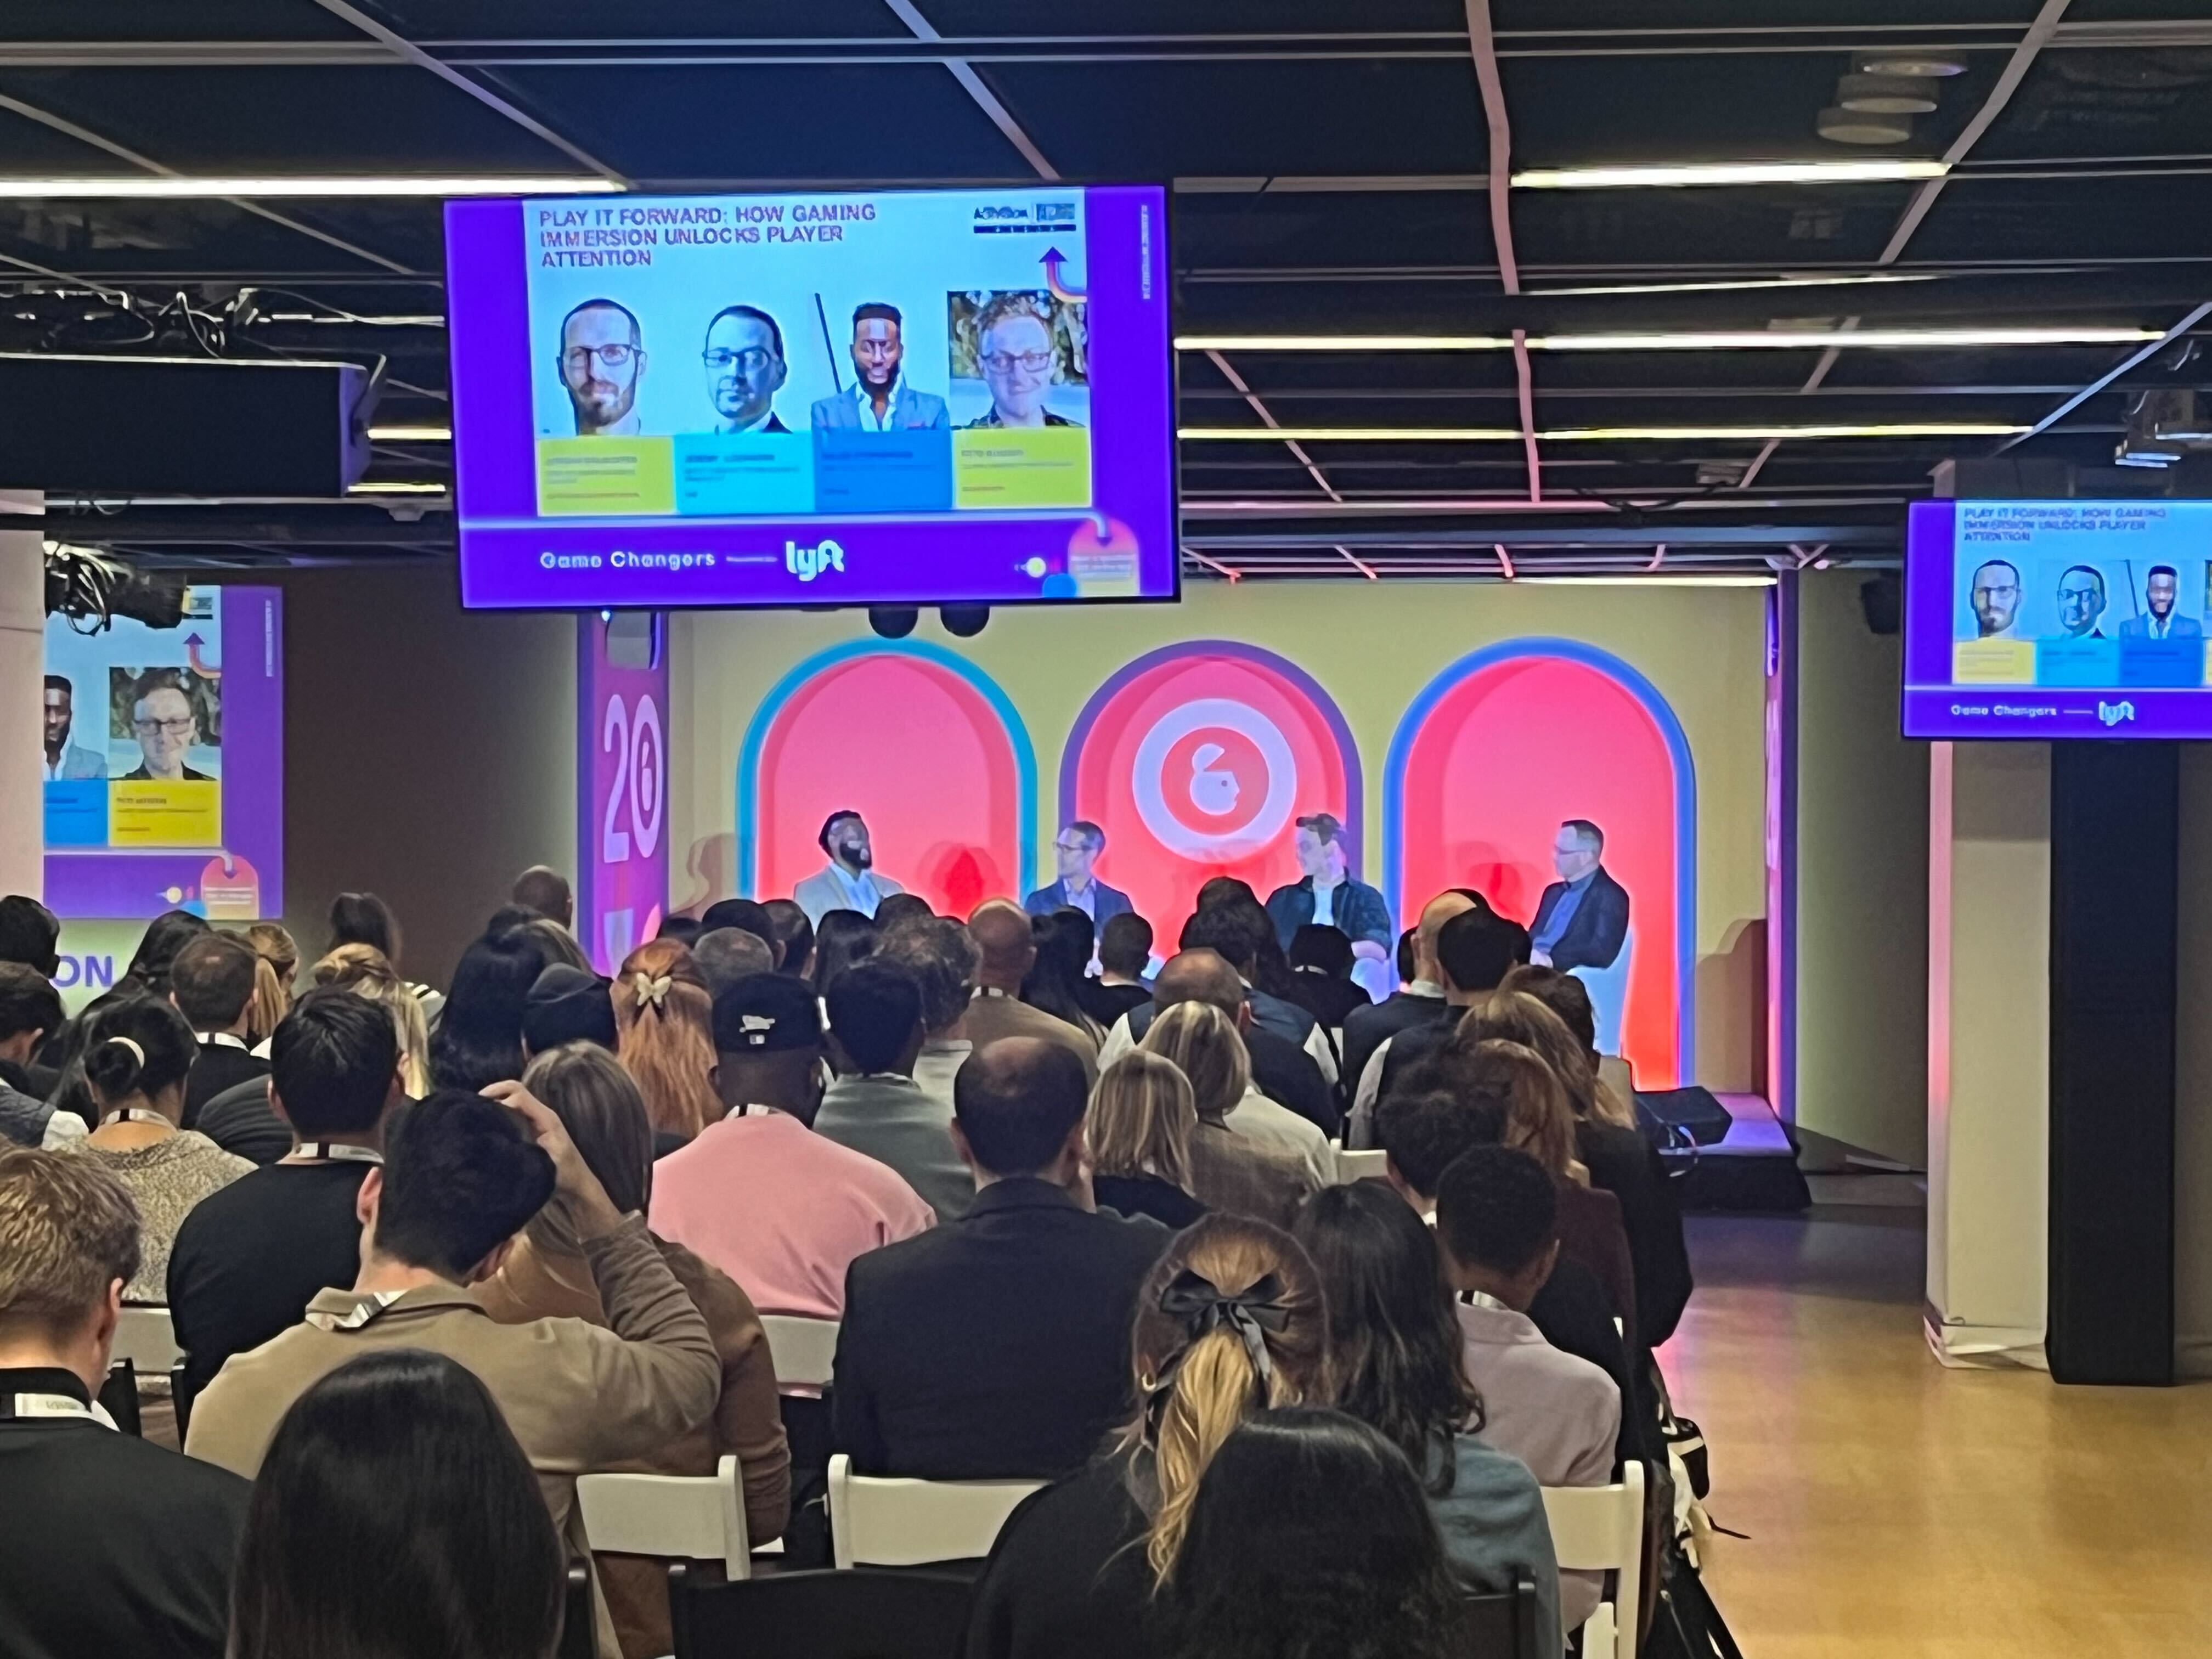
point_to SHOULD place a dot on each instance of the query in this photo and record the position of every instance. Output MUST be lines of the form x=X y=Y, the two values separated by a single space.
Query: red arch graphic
x=1503 y=758
x=919 y=752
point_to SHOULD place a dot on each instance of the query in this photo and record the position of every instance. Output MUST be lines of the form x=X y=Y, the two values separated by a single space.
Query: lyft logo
x=2113 y=713
x=808 y=563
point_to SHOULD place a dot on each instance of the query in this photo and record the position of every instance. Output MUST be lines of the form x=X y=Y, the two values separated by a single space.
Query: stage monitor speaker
x=172 y=426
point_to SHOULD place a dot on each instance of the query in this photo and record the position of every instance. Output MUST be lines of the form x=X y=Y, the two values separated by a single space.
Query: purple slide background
x=968 y=557
x=109 y=885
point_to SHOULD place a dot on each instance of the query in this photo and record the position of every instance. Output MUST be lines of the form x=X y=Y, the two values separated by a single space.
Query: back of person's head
x=1017 y=1103
x=1425 y=1123
x=479 y=1035
x=30 y=935
x=1223 y=890
x=166 y=935
x=727 y=955
x=664 y=1016
x=895 y=907
x=273 y=942
x=509 y=916
x=278 y=965
x=1074 y=933
x=69 y=1231
x=1525 y=1017
x=684 y=930
x=1005 y=944
x=1319 y=948
x=461 y=1176
x=28 y=1002
x=841 y=939
x=332 y=1063
x=1407 y=959
x=1062 y=944
x=138 y=1046
x=768 y=1044
x=942 y=958
x=598 y=1104
x=567 y=1004
x=556 y=943
x=794 y=936
x=1206 y=1048
x=396 y=1515
x=364 y=970
x=1125 y=945
x=1142 y=1116
x=875 y=1014
x=365 y=919
x=1310 y=1535
x=1199 y=976
x=1564 y=994
x=1497 y=1209
x=1476 y=949
x=1538 y=1117
x=1231 y=1322
x=546 y=891
x=742 y=913
x=211 y=981
x=1395 y=1343
x=1227 y=928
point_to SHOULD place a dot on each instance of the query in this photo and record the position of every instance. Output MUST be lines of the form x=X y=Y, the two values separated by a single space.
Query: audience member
x=113 y=1545
x=1308 y=1537
x=874 y=1106
x=666 y=1018
x=795 y=938
x=997 y=1345
x=1475 y=950
x=895 y=907
x=942 y=958
x=724 y=956
x=1238 y=930
x=746 y=917
x=1202 y=976
x=30 y=1010
x=166 y=935
x=1061 y=944
x=30 y=935
x=1417 y=1002
x=1005 y=948
x=1229 y=1171
x=395 y=1514
x=545 y=889
x=1497 y=1222
x=249 y=1259
x=1143 y=1116
x=567 y=1005
x=366 y=971
x=1397 y=1354
x=1125 y=957
x=841 y=937
x=365 y=919
x=555 y=943
x=1320 y=969
x=684 y=930
x=546 y=1276
x=1229 y=1323
x=211 y=981
x=780 y=1209
x=479 y=1039
x=137 y=1055
x=280 y=954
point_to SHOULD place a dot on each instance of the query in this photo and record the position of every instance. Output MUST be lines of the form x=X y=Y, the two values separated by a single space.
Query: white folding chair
x=1601 y=1530
x=805 y=1350
x=877 y=1522
x=144 y=1337
x=677 y=1517
x=1352 y=1166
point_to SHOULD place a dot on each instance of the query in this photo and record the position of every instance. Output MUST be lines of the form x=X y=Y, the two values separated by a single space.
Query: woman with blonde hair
x=1228 y=1172
x=1142 y=1117
x=664 y=1036
x=1524 y=1014
x=272 y=979
x=1230 y=1323
x=362 y=970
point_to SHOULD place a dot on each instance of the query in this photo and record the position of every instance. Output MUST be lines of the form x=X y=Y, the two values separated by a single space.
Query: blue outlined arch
x=1655 y=704
x=772 y=704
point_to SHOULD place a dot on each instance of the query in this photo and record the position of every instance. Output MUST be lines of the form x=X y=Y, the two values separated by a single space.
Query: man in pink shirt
x=780 y=1210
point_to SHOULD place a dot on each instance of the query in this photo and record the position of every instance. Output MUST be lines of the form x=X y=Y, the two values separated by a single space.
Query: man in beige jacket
x=460 y=1179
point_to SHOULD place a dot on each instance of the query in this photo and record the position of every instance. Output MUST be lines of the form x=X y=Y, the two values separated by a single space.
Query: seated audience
x=1234 y=925
x=1229 y=1323
x=1320 y=982
x=724 y=956
x=1063 y=941
x=478 y=1040
x=874 y=1106
x=545 y=890
x=546 y=1276
x=272 y=984
x=684 y=930
x=1125 y=957
x=664 y=1018
x=1397 y=1356
x=794 y=939
x=30 y=1011
x=166 y=935
x=113 y=1545
x=1497 y=1222
x=780 y=1209
x=273 y=943
x=395 y=1514
x=212 y=982
x=567 y=1005
x=941 y=957
x=249 y=1259
x=1417 y=1001
x=1143 y=1116
x=746 y=917
x=1005 y=947
x=365 y=919
x=1229 y=1170
x=894 y=908
x=555 y=943
x=1281 y=1070
x=841 y=937
x=1202 y=976
x=137 y=1055
x=997 y=1345
x=30 y=935
x=1475 y=950
x=366 y=972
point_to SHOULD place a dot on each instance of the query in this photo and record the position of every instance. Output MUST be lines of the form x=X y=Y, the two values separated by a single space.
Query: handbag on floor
x=1685 y=1624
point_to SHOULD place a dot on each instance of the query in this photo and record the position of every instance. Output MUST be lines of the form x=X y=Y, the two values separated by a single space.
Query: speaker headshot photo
x=1582 y=920
x=170 y=713
x=601 y=360
x=1011 y=342
x=745 y=369
x=879 y=399
x=2081 y=602
x=2160 y=620
x=1994 y=592
x=67 y=761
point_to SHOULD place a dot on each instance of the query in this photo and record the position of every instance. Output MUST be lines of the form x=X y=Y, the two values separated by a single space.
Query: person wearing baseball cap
x=779 y=1208
x=567 y=1005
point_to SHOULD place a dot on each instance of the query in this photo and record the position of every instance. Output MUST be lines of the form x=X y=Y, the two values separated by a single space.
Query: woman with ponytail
x=1230 y=1323
x=665 y=1038
x=137 y=1054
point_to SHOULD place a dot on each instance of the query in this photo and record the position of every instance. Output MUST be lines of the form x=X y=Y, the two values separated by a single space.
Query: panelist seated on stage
x=1327 y=894
x=879 y=399
x=850 y=881
x=1077 y=889
x=1582 y=922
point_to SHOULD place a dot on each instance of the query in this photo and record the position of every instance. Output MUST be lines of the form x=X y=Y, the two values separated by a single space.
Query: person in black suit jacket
x=997 y=1347
x=211 y=982
x=1582 y=920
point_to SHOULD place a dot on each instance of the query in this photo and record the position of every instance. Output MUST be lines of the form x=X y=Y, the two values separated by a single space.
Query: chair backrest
x=1501 y=1626
x=805 y=1350
x=676 y=1517
x=580 y=1636
x=857 y=1614
x=1601 y=1530
x=1352 y=1166
x=144 y=1337
x=882 y=1522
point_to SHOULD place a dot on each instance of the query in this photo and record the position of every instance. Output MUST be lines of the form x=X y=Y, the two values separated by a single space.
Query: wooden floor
x=1896 y=1508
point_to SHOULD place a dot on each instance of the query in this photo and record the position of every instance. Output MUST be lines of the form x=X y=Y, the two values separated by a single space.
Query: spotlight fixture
x=893 y=622
x=1904 y=60
x=963 y=621
x=1886 y=95
x=1840 y=125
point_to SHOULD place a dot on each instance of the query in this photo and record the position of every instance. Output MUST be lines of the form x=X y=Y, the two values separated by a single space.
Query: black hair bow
x=1203 y=1306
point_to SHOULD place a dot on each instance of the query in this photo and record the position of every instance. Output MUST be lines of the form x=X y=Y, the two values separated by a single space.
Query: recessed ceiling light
x=1729 y=173
x=1851 y=126
x=1903 y=61
x=1886 y=95
x=125 y=189
x=410 y=435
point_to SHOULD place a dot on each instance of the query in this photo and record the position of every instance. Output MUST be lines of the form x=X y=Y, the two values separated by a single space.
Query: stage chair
x=1608 y=993
x=1502 y=1626
x=1601 y=1530
x=145 y=1346
x=1352 y=1166
x=676 y=1518
x=860 y=1613
x=805 y=1350
x=880 y=1522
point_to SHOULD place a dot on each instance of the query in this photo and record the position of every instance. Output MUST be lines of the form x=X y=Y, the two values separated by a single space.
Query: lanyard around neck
x=135 y=1114
x=24 y=1407
x=331 y=1152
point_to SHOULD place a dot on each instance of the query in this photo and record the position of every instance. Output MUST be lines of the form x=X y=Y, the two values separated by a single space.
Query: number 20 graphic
x=640 y=773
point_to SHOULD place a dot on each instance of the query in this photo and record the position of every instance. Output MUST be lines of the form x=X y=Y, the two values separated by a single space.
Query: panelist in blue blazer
x=1078 y=849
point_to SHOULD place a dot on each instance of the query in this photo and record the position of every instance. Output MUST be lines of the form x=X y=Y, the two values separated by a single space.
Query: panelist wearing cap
x=779 y=1208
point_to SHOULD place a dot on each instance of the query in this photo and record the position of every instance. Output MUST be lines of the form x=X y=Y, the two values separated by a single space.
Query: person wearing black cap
x=851 y=881
x=747 y=917
x=777 y=1207
x=567 y=1005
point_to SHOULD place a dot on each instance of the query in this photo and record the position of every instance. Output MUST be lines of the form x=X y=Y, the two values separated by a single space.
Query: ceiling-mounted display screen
x=2057 y=619
x=880 y=397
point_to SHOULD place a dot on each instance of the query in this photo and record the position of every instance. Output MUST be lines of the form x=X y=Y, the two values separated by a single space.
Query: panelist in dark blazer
x=1582 y=922
x=1327 y=893
x=1078 y=849
x=997 y=1347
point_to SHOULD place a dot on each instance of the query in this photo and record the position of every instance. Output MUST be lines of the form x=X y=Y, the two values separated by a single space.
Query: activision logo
x=2113 y=713
x=808 y=563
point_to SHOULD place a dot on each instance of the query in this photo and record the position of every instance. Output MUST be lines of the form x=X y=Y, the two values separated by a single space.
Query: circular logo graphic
x=1214 y=779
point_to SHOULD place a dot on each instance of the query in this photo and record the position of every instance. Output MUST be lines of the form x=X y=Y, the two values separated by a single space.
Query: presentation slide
x=896 y=396
x=164 y=762
x=2050 y=619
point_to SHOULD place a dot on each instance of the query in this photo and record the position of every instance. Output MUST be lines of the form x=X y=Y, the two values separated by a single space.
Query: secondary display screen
x=895 y=397
x=2057 y=619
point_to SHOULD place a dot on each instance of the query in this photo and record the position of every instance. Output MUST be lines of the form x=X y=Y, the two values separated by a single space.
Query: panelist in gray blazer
x=879 y=399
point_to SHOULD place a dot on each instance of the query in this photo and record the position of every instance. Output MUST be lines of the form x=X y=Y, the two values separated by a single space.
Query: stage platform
x=1753 y=1168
